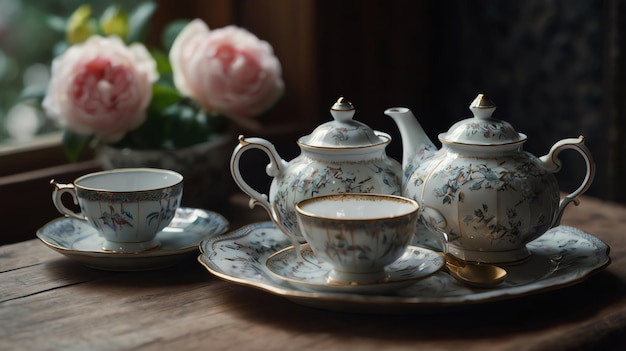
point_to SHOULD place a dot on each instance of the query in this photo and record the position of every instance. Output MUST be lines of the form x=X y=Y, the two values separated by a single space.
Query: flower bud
x=79 y=28
x=114 y=22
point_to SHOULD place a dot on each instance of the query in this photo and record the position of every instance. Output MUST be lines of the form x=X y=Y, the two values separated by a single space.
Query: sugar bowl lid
x=343 y=131
x=482 y=129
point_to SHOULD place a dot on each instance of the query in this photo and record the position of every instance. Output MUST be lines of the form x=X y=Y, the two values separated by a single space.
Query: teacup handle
x=57 y=193
x=553 y=164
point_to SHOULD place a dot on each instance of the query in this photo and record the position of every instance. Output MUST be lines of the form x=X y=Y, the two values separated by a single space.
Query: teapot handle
x=553 y=164
x=274 y=168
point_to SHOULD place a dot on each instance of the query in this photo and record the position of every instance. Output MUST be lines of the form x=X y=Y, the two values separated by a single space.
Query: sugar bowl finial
x=342 y=104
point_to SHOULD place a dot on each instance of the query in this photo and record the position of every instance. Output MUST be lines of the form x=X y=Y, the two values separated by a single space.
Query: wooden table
x=48 y=302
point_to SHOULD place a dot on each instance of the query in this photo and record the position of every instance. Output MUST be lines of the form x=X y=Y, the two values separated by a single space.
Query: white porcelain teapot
x=340 y=156
x=488 y=196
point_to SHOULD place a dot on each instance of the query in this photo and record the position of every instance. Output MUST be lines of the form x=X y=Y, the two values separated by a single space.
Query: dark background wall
x=542 y=62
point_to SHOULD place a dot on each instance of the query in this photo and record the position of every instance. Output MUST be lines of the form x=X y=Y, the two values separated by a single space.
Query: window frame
x=25 y=174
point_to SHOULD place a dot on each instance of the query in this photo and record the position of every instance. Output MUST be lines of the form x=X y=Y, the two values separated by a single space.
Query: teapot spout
x=416 y=146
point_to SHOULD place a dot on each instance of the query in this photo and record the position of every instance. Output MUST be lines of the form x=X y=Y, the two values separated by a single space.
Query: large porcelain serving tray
x=79 y=241
x=563 y=256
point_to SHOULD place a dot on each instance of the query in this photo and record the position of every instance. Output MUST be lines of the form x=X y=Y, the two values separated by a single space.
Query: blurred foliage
x=32 y=32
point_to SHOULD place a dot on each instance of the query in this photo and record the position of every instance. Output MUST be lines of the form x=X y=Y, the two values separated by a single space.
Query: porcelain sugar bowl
x=481 y=190
x=340 y=156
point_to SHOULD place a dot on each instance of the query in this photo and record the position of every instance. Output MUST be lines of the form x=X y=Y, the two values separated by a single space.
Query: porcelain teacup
x=357 y=234
x=127 y=206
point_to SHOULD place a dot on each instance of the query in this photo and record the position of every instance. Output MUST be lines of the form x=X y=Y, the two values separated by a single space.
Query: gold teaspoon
x=479 y=275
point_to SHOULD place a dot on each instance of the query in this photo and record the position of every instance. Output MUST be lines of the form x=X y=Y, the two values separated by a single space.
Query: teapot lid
x=343 y=131
x=482 y=129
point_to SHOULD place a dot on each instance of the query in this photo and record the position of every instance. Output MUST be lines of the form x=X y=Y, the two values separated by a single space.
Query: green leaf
x=164 y=66
x=196 y=127
x=73 y=144
x=152 y=134
x=171 y=32
x=139 y=21
x=163 y=96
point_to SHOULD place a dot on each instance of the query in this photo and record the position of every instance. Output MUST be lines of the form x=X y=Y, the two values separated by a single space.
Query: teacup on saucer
x=127 y=206
x=306 y=271
x=79 y=241
x=358 y=234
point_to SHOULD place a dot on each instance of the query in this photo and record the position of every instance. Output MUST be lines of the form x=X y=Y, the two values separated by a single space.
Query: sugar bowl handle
x=553 y=164
x=57 y=193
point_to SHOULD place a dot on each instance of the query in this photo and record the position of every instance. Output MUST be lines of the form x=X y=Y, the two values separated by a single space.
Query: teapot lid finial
x=482 y=129
x=344 y=132
x=342 y=110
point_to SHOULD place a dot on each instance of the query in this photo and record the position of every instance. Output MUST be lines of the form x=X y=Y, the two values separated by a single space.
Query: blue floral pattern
x=309 y=178
x=561 y=257
x=499 y=202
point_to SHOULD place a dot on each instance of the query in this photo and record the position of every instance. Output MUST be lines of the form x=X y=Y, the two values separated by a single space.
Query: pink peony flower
x=228 y=70
x=101 y=87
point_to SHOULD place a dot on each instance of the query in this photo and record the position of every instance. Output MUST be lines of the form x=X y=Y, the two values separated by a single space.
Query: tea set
x=348 y=220
x=481 y=193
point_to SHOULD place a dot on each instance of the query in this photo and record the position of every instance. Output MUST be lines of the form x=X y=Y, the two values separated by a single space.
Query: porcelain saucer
x=563 y=256
x=77 y=240
x=310 y=273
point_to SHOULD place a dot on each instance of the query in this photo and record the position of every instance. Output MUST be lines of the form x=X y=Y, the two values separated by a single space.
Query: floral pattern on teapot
x=340 y=156
x=310 y=179
x=474 y=177
x=488 y=132
x=516 y=195
x=487 y=196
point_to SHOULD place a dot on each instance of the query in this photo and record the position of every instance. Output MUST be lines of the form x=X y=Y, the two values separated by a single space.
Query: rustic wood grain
x=48 y=302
